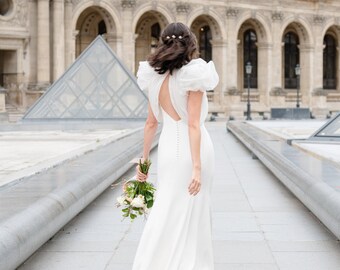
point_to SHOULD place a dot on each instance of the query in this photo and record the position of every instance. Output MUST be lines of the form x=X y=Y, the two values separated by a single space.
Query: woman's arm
x=150 y=129
x=194 y=114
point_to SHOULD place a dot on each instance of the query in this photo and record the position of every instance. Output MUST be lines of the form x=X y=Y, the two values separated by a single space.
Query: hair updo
x=176 y=48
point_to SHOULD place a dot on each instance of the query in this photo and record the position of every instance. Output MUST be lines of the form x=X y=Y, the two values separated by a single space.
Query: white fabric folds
x=197 y=75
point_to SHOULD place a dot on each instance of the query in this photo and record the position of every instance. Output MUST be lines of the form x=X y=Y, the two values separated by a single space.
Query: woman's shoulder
x=198 y=75
x=145 y=74
x=145 y=69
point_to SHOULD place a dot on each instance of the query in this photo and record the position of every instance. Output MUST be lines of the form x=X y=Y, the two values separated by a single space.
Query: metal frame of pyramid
x=329 y=131
x=95 y=86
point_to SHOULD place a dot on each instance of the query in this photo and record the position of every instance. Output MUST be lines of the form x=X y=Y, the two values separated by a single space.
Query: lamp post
x=248 y=72
x=297 y=72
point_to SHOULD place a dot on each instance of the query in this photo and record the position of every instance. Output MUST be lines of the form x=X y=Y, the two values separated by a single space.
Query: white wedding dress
x=177 y=234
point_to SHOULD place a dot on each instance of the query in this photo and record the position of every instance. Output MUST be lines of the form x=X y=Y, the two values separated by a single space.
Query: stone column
x=338 y=68
x=232 y=44
x=232 y=100
x=43 y=43
x=264 y=76
x=318 y=66
x=277 y=49
x=219 y=50
x=128 y=36
x=307 y=80
x=111 y=39
x=73 y=47
x=318 y=25
x=68 y=34
x=3 y=93
x=58 y=39
x=32 y=47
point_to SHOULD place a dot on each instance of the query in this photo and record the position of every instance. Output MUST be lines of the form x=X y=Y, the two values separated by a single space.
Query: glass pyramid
x=330 y=131
x=96 y=86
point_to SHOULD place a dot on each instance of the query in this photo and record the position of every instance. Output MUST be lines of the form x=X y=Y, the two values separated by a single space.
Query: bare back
x=164 y=100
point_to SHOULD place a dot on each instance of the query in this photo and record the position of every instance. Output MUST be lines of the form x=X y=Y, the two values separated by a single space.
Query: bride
x=177 y=234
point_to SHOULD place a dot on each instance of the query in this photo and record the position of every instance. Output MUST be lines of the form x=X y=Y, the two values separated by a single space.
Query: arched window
x=156 y=31
x=250 y=55
x=155 y=34
x=329 y=62
x=291 y=59
x=6 y=6
x=101 y=27
x=204 y=43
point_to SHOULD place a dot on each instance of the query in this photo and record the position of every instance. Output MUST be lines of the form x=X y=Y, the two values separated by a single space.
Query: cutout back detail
x=164 y=100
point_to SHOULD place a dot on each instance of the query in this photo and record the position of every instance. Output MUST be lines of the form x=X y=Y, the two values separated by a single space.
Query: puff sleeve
x=145 y=74
x=197 y=75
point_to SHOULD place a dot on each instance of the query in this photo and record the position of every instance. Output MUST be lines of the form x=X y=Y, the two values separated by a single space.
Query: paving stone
x=257 y=224
x=242 y=252
x=308 y=260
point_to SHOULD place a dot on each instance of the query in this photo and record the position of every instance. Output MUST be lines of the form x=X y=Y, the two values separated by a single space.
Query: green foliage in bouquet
x=138 y=197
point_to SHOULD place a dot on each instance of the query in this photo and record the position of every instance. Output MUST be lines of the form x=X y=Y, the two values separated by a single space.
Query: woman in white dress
x=177 y=234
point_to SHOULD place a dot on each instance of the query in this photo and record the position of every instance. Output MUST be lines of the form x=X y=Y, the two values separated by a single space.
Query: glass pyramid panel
x=96 y=86
x=329 y=131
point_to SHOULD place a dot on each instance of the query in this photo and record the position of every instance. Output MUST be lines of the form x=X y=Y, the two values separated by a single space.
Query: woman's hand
x=141 y=177
x=195 y=185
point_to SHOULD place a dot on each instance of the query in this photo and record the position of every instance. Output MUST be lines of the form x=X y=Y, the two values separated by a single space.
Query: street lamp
x=297 y=72
x=248 y=72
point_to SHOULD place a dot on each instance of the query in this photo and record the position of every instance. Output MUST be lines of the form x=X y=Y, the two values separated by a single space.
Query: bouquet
x=138 y=197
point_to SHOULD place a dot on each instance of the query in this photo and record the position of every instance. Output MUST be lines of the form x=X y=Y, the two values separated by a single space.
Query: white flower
x=120 y=200
x=138 y=202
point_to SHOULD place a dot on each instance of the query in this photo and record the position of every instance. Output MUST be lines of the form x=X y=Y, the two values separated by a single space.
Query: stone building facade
x=39 y=39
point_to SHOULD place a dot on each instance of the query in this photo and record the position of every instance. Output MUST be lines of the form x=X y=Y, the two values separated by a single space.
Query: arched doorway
x=330 y=62
x=252 y=39
x=148 y=32
x=250 y=56
x=205 y=29
x=92 y=22
x=297 y=49
x=204 y=42
x=291 y=59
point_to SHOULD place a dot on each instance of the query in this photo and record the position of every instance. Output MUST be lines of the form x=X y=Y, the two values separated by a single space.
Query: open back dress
x=177 y=234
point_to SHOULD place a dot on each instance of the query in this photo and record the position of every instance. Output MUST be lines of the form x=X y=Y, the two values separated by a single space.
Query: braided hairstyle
x=177 y=47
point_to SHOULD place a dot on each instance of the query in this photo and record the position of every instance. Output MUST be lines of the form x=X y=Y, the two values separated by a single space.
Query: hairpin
x=167 y=37
x=180 y=37
x=173 y=36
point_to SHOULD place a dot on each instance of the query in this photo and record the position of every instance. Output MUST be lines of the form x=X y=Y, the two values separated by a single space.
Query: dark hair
x=176 y=48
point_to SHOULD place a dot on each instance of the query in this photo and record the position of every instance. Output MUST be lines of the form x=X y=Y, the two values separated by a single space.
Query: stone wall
x=48 y=35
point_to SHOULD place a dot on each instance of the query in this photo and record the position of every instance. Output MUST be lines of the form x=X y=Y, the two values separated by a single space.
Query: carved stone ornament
x=319 y=92
x=278 y=91
x=128 y=3
x=233 y=91
x=232 y=12
x=277 y=16
x=182 y=7
x=76 y=2
x=317 y=19
x=19 y=17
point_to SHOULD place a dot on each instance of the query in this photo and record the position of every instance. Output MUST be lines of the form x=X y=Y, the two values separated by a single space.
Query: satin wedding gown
x=177 y=234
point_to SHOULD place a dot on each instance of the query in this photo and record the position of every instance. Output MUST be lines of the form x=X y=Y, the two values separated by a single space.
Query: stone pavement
x=289 y=129
x=302 y=130
x=24 y=153
x=257 y=224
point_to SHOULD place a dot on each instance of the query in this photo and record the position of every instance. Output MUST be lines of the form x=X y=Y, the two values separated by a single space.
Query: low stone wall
x=303 y=174
x=84 y=180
